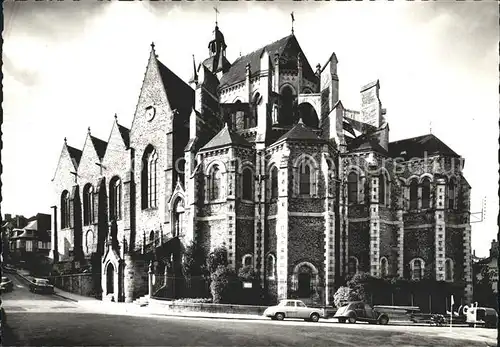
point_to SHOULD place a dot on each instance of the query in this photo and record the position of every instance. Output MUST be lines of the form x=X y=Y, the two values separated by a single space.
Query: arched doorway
x=110 y=279
x=304 y=282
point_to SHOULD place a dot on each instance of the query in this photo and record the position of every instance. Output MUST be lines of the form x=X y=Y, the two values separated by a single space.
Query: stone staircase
x=142 y=301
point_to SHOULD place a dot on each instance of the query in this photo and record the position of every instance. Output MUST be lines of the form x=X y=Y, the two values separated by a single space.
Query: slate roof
x=75 y=154
x=300 y=132
x=99 y=145
x=365 y=143
x=180 y=95
x=237 y=72
x=225 y=137
x=222 y=64
x=416 y=147
x=125 y=133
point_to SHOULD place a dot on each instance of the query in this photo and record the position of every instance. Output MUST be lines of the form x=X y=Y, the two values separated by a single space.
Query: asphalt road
x=39 y=320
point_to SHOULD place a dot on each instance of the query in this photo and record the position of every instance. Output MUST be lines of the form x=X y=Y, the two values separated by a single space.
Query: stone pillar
x=374 y=227
x=260 y=195
x=191 y=192
x=150 y=279
x=53 y=237
x=128 y=278
x=276 y=73
x=248 y=86
x=344 y=220
x=440 y=229
x=299 y=74
x=231 y=209
x=400 y=226
x=282 y=228
x=468 y=290
x=329 y=207
x=127 y=208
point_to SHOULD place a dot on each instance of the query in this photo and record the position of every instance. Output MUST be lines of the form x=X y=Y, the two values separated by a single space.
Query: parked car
x=293 y=309
x=6 y=285
x=360 y=311
x=41 y=285
x=486 y=316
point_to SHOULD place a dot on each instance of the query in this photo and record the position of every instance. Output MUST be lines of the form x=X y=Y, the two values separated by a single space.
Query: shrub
x=225 y=285
x=341 y=296
x=217 y=258
x=195 y=261
x=194 y=300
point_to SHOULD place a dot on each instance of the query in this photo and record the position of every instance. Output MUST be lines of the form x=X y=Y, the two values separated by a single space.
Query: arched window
x=115 y=199
x=214 y=183
x=247 y=260
x=384 y=267
x=426 y=193
x=305 y=179
x=451 y=194
x=413 y=195
x=274 y=182
x=270 y=266
x=178 y=218
x=89 y=242
x=150 y=178
x=286 y=115
x=151 y=236
x=257 y=100
x=352 y=188
x=352 y=266
x=247 y=184
x=448 y=270
x=88 y=204
x=65 y=210
x=381 y=189
x=417 y=269
x=308 y=115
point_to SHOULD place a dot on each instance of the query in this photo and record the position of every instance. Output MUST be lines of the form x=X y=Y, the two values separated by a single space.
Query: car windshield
x=300 y=304
x=42 y=281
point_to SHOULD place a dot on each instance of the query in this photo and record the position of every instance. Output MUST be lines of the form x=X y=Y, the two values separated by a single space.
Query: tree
x=195 y=261
x=225 y=285
x=483 y=291
x=216 y=258
x=341 y=296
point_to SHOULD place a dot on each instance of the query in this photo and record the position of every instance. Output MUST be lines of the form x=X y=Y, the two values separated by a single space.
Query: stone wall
x=81 y=284
x=420 y=243
x=244 y=239
x=359 y=244
x=306 y=241
x=135 y=277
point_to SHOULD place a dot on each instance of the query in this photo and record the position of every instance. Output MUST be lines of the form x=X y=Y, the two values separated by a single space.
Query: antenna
x=216 y=12
x=479 y=216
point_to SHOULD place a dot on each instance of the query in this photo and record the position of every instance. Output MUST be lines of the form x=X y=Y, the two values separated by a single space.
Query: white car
x=293 y=309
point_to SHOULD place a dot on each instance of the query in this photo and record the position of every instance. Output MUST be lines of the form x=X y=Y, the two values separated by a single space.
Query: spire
x=88 y=130
x=216 y=12
x=293 y=20
x=65 y=141
x=116 y=118
x=194 y=78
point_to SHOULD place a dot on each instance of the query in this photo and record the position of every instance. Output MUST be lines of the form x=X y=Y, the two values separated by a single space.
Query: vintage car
x=41 y=285
x=6 y=284
x=475 y=315
x=360 y=311
x=293 y=309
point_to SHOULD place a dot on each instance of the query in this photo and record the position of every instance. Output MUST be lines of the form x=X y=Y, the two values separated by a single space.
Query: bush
x=341 y=296
x=193 y=301
x=195 y=260
x=225 y=285
x=218 y=257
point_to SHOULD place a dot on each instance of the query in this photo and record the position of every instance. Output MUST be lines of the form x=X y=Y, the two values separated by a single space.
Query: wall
x=81 y=284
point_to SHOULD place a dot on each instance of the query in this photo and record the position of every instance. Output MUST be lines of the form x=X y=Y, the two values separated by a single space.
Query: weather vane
x=293 y=20
x=216 y=12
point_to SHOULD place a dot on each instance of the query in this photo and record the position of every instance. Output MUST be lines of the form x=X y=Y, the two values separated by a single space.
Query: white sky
x=71 y=65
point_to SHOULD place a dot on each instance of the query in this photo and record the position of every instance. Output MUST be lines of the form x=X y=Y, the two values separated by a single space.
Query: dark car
x=6 y=285
x=360 y=311
x=41 y=285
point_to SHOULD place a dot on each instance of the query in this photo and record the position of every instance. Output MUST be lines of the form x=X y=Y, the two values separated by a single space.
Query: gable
x=88 y=168
x=116 y=152
x=67 y=163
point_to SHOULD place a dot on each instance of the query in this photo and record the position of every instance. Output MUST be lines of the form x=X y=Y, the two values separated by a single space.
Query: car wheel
x=352 y=320
x=314 y=317
x=279 y=316
x=383 y=320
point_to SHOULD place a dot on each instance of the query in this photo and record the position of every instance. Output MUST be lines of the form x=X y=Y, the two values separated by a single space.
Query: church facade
x=261 y=156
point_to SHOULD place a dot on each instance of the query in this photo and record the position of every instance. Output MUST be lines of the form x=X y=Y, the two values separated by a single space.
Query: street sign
x=247 y=284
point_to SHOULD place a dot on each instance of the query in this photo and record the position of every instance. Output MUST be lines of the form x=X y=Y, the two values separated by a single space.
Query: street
x=35 y=319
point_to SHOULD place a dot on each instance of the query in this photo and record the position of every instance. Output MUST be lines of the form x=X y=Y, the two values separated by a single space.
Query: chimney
x=494 y=249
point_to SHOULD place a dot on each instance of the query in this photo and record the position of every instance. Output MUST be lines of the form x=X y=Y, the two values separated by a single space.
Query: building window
x=247 y=260
x=89 y=242
x=257 y=100
x=88 y=204
x=381 y=190
x=448 y=269
x=417 y=269
x=413 y=195
x=274 y=182
x=149 y=178
x=115 y=198
x=151 y=236
x=247 y=184
x=352 y=188
x=29 y=246
x=65 y=210
x=286 y=116
x=352 y=266
x=178 y=217
x=214 y=183
x=383 y=267
x=451 y=194
x=426 y=193
x=270 y=266
x=40 y=245
x=305 y=179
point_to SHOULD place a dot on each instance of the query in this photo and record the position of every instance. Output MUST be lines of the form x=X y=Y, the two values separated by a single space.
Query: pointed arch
x=413 y=194
x=352 y=266
x=178 y=217
x=448 y=270
x=426 y=192
x=274 y=192
x=247 y=260
x=247 y=184
x=271 y=266
x=149 y=178
x=308 y=115
x=88 y=204
x=452 y=193
x=384 y=267
x=256 y=102
x=286 y=116
x=115 y=198
x=417 y=266
x=65 y=210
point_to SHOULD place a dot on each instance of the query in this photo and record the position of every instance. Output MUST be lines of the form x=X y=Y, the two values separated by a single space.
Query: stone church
x=261 y=156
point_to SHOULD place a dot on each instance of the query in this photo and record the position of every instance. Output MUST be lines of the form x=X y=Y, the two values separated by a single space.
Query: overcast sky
x=71 y=65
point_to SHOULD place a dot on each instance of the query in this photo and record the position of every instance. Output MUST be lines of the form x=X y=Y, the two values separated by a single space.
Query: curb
x=65 y=297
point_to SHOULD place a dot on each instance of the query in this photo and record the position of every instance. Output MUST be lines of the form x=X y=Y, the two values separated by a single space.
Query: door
x=290 y=309
x=304 y=290
x=302 y=310
x=360 y=310
x=110 y=279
